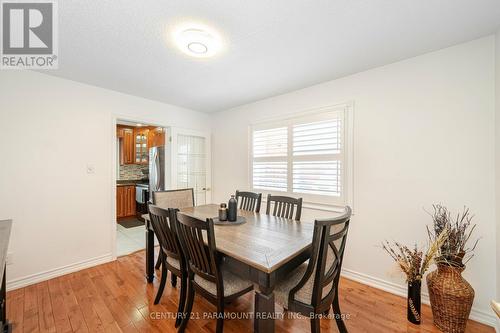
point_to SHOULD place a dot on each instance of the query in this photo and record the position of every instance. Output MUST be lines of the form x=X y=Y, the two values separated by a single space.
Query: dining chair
x=180 y=198
x=173 y=258
x=206 y=276
x=249 y=201
x=312 y=288
x=284 y=206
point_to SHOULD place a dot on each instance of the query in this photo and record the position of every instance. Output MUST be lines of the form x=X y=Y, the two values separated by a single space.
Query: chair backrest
x=201 y=257
x=181 y=198
x=249 y=201
x=328 y=245
x=165 y=232
x=284 y=206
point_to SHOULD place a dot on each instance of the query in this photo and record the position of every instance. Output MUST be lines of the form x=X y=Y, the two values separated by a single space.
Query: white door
x=191 y=167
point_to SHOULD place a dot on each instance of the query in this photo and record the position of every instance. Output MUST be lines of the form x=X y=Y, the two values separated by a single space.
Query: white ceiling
x=272 y=46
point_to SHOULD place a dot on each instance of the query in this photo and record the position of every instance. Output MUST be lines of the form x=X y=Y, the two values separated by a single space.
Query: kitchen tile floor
x=130 y=240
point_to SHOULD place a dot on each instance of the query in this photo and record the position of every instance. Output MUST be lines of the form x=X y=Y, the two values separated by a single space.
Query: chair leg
x=159 y=260
x=315 y=324
x=188 y=309
x=338 y=314
x=173 y=280
x=182 y=300
x=163 y=281
x=220 y=316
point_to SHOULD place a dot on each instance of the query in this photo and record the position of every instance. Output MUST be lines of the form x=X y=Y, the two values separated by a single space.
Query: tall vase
x=451 y=298
x=414 y=302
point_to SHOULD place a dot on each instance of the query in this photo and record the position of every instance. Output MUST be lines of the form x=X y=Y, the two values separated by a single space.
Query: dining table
x=264 y=249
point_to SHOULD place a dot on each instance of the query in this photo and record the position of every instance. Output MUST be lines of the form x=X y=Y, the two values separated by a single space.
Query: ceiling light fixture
x=197 y=40
x=197 y=47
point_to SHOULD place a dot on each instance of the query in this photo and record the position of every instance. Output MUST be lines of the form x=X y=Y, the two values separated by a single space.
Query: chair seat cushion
x=174 y=262
x=304 y=295
x=232 y=283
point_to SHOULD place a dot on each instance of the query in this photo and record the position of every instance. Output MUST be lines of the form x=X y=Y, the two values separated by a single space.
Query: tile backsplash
x=133 y=171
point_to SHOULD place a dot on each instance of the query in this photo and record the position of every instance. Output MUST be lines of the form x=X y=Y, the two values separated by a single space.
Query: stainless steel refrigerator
x=156 y=169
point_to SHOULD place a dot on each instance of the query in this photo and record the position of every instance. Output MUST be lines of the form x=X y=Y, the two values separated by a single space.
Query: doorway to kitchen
x=141 y=167
x=153 y=157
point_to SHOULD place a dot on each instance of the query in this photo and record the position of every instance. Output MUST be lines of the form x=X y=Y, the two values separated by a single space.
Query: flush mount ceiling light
x=197 y=40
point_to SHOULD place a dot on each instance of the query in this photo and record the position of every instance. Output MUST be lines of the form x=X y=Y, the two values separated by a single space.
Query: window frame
x=315 y=201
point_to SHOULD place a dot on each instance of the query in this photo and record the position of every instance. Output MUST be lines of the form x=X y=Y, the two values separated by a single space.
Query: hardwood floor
x=115 y=297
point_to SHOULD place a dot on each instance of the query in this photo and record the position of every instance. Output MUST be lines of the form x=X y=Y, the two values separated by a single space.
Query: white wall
x=52 y=128
x=423 y=134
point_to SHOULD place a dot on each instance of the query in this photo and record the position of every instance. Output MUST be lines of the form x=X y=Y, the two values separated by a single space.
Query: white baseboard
x=52 y=273
x=497 y=328
x=400 y=290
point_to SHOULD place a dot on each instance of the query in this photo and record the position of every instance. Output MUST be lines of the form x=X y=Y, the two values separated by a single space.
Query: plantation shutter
x=301 y=157
x=317 y=157
x=270 y=149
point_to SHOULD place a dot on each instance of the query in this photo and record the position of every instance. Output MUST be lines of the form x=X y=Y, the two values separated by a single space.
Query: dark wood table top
x=264 y=242
x=5 y=226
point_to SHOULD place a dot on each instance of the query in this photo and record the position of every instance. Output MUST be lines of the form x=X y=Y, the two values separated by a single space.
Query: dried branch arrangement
x=412 y=262
x=454 y=251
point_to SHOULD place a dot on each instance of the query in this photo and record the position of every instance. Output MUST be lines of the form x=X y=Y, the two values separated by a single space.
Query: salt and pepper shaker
x=222 y=212
x=233 y=208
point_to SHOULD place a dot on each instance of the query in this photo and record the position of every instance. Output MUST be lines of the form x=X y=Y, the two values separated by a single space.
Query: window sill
x=317 y=206
x=322 y=207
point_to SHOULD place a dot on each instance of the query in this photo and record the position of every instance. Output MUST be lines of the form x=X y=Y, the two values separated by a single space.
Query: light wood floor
x=115 y=297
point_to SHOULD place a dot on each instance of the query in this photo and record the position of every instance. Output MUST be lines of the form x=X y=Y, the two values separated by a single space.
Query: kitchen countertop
x=131 y=182
x=5 y=226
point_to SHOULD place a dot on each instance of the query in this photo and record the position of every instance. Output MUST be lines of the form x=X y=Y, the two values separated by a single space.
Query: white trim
x=497 y=328
x=56 y=272
x=349 y=154
x=310 y=205
x=400 y=290
x=114 y=177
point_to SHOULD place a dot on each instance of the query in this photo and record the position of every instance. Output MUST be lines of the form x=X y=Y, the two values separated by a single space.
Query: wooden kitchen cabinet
x=156 y=137
x=125 y=201
x=126 y=137
x=119 y=132
x=136 y=141
x=141 y=148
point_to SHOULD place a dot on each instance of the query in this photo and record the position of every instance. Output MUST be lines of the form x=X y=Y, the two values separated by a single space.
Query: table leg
x=264 y=311
x=150 y=253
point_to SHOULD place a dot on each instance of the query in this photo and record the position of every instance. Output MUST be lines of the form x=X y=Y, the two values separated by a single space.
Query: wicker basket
x=451 y=298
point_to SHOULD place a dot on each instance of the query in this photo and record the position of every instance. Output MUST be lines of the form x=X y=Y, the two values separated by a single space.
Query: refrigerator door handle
x=157 y=168
x=153 y=171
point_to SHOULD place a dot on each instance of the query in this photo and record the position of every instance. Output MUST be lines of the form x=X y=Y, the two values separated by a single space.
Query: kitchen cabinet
x=125 y=201
x=141 y=149
x=156 y=137
x=126 y=137
x=136 y=141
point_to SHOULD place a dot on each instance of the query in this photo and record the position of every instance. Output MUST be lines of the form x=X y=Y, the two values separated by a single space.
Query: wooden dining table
x=264 y=250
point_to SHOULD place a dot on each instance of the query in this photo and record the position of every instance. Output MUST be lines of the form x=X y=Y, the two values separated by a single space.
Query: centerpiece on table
x=450 y=294
x=413 y=263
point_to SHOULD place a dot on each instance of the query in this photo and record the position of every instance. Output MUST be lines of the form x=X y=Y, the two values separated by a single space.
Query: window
x=303 y=156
